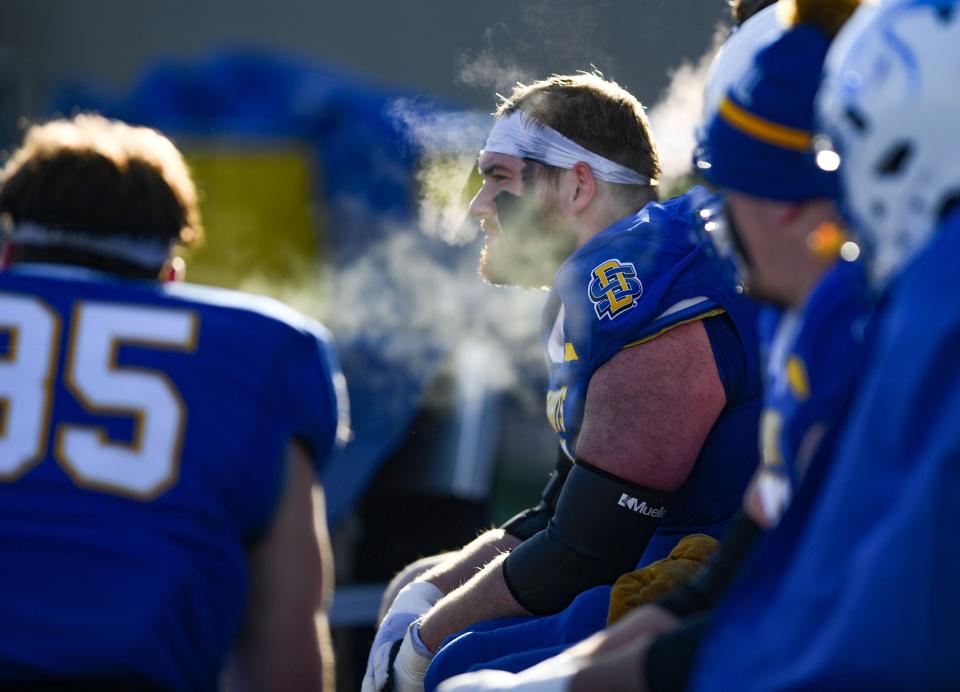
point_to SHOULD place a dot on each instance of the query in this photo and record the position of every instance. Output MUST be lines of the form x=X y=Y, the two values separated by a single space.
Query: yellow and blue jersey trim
x=671 y=320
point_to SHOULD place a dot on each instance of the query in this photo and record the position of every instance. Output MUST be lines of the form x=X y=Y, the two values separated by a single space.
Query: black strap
x=703 y=592
x=533 y=520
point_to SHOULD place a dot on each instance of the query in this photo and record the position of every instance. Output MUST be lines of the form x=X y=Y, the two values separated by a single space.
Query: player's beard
x=533 y=242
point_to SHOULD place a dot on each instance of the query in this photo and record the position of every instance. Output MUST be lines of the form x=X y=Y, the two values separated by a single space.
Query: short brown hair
x=101 y=177
x=596 y=113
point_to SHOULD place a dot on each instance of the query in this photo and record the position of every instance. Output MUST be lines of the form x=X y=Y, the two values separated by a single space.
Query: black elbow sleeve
x=531 y=521
x=599 y=531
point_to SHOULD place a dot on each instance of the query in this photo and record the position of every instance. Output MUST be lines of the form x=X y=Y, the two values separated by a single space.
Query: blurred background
x=333 y=145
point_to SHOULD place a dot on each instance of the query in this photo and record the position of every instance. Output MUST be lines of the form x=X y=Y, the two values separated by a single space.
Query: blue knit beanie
x=760 y=141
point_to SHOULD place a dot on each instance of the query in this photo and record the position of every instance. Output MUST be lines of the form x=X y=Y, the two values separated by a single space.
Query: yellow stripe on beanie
x=763 y=129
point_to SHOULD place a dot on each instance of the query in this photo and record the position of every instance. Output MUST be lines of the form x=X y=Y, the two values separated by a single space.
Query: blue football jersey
x=812 y=363
x=636 y=279
x=143 y=429
x=858 y=589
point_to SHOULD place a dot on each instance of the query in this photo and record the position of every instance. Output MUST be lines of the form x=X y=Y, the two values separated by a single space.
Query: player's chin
x=492 y=267
x=503 y=269
x=509 y=265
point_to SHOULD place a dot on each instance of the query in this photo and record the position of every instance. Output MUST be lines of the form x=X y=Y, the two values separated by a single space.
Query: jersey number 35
x=142 y=468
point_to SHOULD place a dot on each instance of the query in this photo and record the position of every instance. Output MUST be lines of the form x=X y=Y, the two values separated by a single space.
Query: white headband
x=525 y=137
x=142 y=252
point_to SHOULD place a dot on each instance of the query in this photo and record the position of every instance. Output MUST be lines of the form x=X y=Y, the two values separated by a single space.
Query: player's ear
x=581 y=188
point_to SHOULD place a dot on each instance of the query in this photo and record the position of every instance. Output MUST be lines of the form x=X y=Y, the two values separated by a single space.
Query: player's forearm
x=483 y=597
x=412 y=571
x=426 y=594
x=465 y=563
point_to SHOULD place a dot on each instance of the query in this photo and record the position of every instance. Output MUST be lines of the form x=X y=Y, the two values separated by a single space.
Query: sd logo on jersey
x=614 y=288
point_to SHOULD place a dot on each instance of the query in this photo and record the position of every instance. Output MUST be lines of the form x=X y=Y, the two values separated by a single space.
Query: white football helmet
x=890 y=108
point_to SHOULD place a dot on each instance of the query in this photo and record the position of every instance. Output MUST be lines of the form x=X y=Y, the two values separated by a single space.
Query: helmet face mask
x=888 y=103
x=716 y=225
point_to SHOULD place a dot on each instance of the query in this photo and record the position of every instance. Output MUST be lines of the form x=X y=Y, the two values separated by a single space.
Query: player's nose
x=482 y=206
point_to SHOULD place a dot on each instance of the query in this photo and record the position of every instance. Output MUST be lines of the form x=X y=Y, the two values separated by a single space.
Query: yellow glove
x=659 y=578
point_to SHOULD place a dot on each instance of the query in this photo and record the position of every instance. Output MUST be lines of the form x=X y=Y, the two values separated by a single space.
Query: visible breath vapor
x=416 y=301
x=447 y=143
x=676 y=116
x=427 y=301
x=437 y=303
x=486 y=71
x=537 y=44
x=451 y=141
x=444 y=184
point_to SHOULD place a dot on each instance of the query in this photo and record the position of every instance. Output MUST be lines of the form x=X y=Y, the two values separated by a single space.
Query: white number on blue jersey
x=26 y=381
x=147 y=465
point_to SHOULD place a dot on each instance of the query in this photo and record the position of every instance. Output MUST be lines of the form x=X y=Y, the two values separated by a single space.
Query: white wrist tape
x=414 y=599
x=410 y=667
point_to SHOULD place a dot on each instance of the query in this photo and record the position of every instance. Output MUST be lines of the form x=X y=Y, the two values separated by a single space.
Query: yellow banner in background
x=265 y=226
